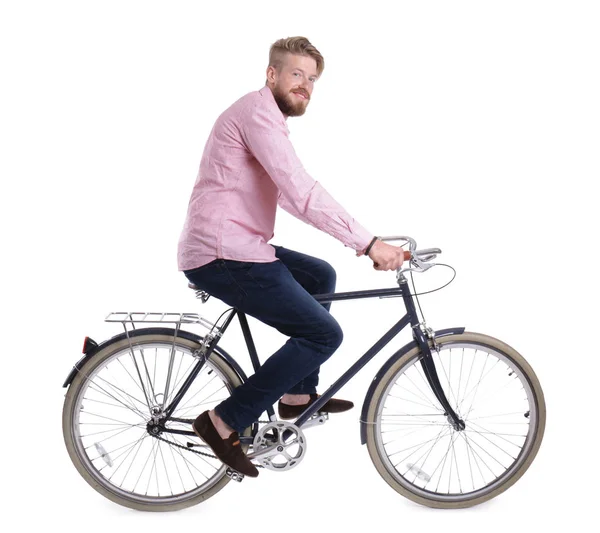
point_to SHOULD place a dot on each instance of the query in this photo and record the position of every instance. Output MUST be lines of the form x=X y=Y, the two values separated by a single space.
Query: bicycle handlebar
x=416 y=257
x=412 y=243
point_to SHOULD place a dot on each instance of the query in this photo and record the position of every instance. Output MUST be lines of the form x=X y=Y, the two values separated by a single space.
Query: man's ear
x=271 y=73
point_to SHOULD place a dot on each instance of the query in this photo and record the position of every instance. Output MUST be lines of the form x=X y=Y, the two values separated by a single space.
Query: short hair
x=294 y=45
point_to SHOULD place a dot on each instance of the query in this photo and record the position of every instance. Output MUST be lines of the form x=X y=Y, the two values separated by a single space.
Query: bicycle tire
x=140 y=339
x=427 y=497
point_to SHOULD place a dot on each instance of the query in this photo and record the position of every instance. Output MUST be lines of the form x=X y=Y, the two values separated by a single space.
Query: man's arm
x=299 y=194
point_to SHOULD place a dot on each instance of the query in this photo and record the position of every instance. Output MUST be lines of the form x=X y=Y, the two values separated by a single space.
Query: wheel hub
x=458 y=426
x=155 y=428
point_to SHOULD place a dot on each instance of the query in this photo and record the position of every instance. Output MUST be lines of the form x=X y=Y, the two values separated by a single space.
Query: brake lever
x=420 y=261
x=421 y=268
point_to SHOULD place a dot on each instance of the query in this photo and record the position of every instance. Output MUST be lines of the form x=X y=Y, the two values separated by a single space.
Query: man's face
x=293 y=86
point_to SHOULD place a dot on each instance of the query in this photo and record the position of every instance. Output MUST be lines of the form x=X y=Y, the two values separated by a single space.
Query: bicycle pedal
x=316 y=420
x=234 y=475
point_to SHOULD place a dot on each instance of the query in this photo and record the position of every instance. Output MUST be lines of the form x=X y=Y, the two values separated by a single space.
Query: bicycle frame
x=409 y=318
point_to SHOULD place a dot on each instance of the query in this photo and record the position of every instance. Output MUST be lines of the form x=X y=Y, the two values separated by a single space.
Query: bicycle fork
x=427 y=363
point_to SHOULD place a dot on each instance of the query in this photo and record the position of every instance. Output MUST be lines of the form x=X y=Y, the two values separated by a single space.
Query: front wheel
x=419 y=453
x=110 y=433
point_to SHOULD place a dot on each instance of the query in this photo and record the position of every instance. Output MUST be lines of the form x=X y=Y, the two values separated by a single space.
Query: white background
x=471 y=126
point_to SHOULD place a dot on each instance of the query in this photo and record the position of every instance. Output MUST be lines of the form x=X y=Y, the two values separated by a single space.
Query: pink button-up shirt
x=248 y=167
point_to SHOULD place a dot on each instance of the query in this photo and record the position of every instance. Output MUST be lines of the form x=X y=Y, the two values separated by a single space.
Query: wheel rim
x=423 y=452
x=110 y=424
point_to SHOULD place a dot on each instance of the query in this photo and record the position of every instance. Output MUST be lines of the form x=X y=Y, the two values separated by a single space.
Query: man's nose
x=305 y=87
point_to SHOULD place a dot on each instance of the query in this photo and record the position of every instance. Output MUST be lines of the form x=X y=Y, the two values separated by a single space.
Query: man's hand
x=385 y=256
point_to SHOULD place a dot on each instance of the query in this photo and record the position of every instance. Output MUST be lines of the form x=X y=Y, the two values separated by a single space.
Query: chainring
x=279 y=446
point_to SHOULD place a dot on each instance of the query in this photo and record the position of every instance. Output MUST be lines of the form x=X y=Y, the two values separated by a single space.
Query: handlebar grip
x=407 y=257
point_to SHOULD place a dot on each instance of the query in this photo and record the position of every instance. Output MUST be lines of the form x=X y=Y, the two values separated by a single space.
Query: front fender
x=152 y=331
x=405 y=349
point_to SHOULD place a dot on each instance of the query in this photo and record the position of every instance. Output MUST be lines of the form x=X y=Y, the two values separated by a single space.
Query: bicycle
x=440 y=439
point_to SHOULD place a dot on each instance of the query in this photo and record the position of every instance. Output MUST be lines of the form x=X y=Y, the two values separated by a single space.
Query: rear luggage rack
x=125 y=317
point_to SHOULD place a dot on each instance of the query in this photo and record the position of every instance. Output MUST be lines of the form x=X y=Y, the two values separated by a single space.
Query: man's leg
x=317 y=277
x=270 y=293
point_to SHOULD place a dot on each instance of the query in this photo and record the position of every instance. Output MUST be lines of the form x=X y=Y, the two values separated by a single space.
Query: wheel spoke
x=125 y=395
x=501 y=436
x=181 y=407
x=443 y=433
x=187 y=373
x=119 y=406
x=205 y=399
x=468 y=380
x=419 y=445
x=173 y=449
x=138 y=443
x=175 y=380
x=421 y=393
x=153 y=469
x=407 y=400
x=475 y=453
x=119 y=431
x=129 y=405
x=129 y=374
x=133 y=459
x=457 y=471
x=493 y=443
x=107 y=431
x=129 y=446
x=119 y=422
x=462 y=358
x=213 y=467
x=443 y=462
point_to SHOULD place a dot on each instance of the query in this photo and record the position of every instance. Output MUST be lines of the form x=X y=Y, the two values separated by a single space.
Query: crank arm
x=317 y=420
x=267 y=452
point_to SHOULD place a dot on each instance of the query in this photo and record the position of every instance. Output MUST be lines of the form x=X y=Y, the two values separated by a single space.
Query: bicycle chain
x=176 y=444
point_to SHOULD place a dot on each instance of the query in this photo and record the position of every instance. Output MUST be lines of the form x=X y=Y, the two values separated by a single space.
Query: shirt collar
x=267 y=93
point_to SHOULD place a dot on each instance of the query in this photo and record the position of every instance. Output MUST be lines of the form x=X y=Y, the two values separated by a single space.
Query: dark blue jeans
x=278 y=294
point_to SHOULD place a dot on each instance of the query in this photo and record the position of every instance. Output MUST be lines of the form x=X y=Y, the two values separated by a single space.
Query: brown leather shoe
x=227 y=450
x=294 y=411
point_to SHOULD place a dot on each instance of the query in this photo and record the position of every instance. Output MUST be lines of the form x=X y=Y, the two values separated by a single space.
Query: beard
x=288 y=103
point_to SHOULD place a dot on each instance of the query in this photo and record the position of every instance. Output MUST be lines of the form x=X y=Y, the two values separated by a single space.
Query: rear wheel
x=109 y=430
x=421 y=455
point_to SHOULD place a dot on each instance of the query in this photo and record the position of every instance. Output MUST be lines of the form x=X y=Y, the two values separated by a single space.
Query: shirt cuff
x=361 y=238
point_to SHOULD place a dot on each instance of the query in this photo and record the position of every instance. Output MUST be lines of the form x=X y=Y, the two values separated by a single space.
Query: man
x=248 y=168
